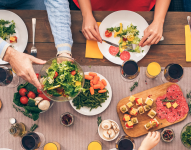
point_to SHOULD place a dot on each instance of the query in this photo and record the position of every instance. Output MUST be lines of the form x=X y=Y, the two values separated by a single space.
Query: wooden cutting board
x=143 y=119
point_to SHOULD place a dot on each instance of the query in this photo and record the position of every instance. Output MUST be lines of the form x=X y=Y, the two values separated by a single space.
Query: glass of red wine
x=172 y=73
x=124 y=143
x=8 y=77
x=130 y=71
x=32 y=141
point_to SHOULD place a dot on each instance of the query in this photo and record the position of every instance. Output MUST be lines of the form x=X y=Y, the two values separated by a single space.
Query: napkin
x=188 y=43
x=92 y=49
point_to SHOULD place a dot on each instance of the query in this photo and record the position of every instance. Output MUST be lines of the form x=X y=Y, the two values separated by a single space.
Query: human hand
x=150 y=141
x=22 y=65
x=90 y=28
x=152 y=34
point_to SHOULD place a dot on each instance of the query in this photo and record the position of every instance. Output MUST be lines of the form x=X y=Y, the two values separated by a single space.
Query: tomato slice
x=55 y=75
x=108 y=33
x=124 y=39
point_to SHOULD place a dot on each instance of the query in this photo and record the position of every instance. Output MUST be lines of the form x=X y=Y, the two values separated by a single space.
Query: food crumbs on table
x=99 y=120
x=33 y=127
x=133 y=87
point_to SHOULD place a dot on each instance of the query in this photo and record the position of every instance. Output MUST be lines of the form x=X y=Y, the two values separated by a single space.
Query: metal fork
x=33 y=48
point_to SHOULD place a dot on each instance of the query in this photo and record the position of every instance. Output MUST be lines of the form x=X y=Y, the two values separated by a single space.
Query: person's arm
x=153 y=32
x=90 y=28
x=20 y=62
x=150 y=141
x=60 y=22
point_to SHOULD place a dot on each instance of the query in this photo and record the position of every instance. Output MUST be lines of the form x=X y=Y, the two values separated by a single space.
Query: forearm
x=161 y=8
x=85 y=7
x=3 y=47
x=60 y=22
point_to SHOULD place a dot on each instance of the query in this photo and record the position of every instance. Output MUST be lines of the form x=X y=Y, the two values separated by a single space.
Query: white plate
x=86 y=111
x=21 y=31
x=100 y=131
x=113 y=20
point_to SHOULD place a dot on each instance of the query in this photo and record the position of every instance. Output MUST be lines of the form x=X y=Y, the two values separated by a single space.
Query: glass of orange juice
x=153 y=70
x=95 y=145
x=52 y=146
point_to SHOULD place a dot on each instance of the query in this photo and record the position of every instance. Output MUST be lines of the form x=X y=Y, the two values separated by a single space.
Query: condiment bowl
x=100 y=131
x=163 y=133
x=67 y=113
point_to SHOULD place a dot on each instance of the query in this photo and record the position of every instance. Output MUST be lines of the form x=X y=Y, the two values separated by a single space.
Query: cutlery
x=33 y=48
x=189 y=22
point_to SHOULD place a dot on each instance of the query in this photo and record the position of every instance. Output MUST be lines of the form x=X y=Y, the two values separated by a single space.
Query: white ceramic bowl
x=100 y=131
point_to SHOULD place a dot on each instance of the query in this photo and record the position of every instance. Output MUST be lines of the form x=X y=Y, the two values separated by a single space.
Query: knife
x=189 y=22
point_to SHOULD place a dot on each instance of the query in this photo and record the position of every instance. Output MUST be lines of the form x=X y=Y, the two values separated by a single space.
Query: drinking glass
x=52 y=146
x=124 y=143
x=129 y=71
x=153 y=70
x=172 y=73
x=95 y=145
x=32 y=141
x=8 y=77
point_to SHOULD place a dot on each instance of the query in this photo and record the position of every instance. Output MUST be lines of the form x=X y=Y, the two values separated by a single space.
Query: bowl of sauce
x=167 y=135
x=67 y=119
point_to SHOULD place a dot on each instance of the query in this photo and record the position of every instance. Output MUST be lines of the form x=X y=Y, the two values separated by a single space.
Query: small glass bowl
x=163 y=133
x=183 y=130
x=67 y=113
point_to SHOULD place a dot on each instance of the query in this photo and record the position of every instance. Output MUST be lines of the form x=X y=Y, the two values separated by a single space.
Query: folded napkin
x=92 y=49
x=188 y=43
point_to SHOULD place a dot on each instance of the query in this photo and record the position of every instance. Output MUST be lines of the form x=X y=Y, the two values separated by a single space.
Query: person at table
x=59 y=18
x=150 y=141
x=152 y=33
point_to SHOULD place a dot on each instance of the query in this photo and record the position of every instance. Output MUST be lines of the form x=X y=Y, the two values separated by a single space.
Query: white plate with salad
x=20 y=30
x=128 y=28
x=95 y=111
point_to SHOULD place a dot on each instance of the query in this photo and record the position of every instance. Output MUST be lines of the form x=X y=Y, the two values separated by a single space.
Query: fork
x=33 y=48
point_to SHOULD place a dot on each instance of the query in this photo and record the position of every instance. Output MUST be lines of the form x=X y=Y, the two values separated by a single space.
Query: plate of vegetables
x=124 y=28
x=62 y=79
x=185 y=135
x=95 y=96
x=31 y=101
x=13 y=30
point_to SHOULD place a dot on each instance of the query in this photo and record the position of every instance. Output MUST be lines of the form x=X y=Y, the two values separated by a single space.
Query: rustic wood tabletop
x=171 y=50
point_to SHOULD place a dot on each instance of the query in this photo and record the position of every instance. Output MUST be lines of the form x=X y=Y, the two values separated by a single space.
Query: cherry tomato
x=44 y=97
x=108 y=33
x=55 y=75
x=124 y=39
x=22 y=91
x=24 y=100
x=39 y=91
x=31 y=95
x=37 y=75
x=73 y=72
x=59 y=90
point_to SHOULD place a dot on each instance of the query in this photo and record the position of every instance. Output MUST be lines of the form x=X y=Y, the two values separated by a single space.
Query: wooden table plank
x=173 y=27
x=163 y=54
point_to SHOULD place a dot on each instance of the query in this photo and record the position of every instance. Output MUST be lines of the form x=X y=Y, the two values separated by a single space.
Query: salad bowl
x=62 y=79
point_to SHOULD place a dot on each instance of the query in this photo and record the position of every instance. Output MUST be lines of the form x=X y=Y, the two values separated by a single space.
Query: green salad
x=128 y=35
x=7 y=28
x=186 y=136
x=62 y=79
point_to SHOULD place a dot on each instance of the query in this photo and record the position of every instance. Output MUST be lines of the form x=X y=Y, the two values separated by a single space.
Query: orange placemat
x=92 y=49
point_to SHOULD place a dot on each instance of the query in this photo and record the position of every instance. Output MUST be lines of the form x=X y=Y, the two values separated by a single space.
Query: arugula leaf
x=31 y=87
x=35 y=116
x=22 y=86
x=31 y=102
x=16 y=99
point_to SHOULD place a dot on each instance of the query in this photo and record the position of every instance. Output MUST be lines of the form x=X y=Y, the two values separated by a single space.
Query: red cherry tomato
x=108 y=33
x=39 y=91
x=73 y=72
x=37 y=75
x=31 y=95
x=55 y=75
x=22 y=91
x=124 y=39
x=44 y=97
x=24 y=100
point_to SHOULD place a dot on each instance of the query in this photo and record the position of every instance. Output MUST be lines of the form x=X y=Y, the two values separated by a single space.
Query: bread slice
x=148 y=126
x=147 y=107
x=123 y=108
x=134 y=120
x=149 y=101
x=152 y=113
x=141 y=110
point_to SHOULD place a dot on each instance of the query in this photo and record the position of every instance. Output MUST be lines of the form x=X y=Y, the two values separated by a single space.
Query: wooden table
x=172 y=49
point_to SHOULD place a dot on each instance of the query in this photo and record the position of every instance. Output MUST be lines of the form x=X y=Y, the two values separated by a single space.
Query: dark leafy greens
x=31 y=110
x=88 y=100
x=186 y=136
